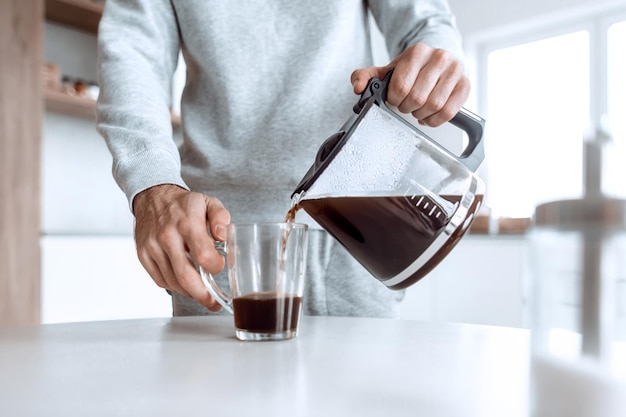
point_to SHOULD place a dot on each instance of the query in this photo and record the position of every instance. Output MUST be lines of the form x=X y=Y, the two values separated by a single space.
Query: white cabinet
x=481 y=281
x=96 y=278
x=100 y=278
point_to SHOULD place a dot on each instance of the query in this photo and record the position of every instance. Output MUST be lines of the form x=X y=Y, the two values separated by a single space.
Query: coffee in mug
x=266 y=265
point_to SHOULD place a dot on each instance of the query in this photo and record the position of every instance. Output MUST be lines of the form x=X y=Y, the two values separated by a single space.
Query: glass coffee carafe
x=396 y=199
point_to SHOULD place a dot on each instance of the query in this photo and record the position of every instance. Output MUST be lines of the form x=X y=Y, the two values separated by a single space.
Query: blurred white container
x=577 y=267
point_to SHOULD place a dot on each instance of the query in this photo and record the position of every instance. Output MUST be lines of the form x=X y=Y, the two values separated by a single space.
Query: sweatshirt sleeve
x=138 y=48
x=407 y=22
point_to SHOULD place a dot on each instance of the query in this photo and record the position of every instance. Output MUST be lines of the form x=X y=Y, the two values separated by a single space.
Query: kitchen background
x=89 y=267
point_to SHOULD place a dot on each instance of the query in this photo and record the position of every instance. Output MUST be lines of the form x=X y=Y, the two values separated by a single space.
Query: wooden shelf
x=73 y=105
x=502 y=225
x=60 y=102
x=480 y=225
x=80 y=14
x=513 y=226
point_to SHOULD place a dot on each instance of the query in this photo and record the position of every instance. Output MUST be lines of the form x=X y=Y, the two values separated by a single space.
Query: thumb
x=361 y=77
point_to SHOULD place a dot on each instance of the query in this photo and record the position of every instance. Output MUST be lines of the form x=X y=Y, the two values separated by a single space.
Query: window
x=541 y=93
x=616 y=58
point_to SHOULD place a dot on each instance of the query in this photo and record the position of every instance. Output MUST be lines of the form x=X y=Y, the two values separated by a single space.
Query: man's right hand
x=172 y=223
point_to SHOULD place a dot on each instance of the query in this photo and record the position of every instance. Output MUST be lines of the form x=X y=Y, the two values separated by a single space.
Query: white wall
x=89 y=267
x=478 y=17
x=79 y=195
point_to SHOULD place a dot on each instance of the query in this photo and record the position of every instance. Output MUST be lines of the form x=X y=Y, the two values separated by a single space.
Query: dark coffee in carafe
x=387 y=234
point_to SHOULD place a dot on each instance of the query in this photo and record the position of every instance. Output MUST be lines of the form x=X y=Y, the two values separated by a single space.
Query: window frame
x=478 y=47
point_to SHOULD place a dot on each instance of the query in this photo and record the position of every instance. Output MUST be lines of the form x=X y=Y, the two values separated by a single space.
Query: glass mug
x=266 y=265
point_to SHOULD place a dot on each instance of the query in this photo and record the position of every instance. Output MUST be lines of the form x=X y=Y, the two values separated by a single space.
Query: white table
x=193 y=366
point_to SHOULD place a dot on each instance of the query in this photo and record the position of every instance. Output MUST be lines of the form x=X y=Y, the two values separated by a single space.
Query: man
x=267 y=82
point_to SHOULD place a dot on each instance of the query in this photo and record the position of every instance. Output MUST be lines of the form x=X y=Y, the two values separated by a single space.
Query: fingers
x=455 y=101
x=171 y=228
x=428 y=83
x=188 y=277
x=218 y=217
x=156 y=262
x=176 y=273
x=360 y=77
x=209 y=213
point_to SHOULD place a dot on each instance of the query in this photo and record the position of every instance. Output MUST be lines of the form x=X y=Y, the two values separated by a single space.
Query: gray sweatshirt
x=267 y=82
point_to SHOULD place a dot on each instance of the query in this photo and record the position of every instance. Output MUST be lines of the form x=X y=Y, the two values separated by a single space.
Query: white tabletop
x=194 y=366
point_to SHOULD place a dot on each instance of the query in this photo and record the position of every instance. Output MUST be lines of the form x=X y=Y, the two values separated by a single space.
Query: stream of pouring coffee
x=287 y=307
x=291 y=214
x=289 y=219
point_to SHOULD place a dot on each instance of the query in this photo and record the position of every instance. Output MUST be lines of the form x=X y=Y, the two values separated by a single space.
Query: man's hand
x=171 y=223
x=428 y=83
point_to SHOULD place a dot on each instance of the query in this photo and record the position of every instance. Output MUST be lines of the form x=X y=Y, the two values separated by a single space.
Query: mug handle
x=211 y=285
